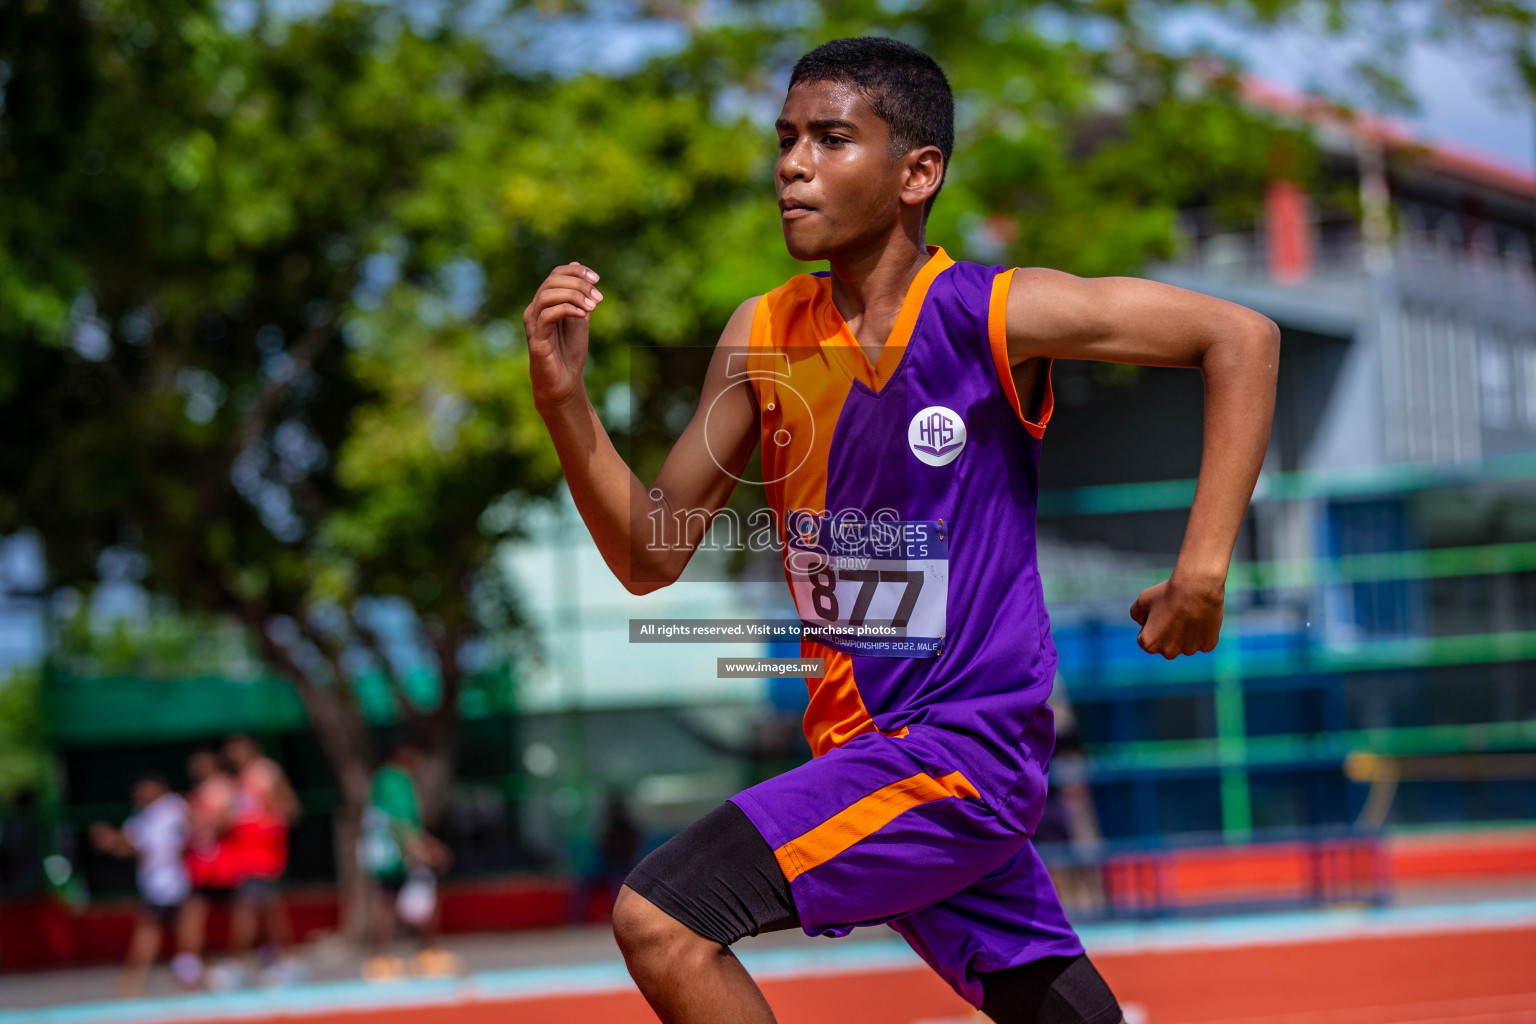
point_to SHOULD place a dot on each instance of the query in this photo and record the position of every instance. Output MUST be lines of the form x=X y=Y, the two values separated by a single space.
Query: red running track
x=1443 y=978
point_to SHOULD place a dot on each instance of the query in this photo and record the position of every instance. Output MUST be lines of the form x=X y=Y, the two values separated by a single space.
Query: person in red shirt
x=210 y=857
x=264 y=808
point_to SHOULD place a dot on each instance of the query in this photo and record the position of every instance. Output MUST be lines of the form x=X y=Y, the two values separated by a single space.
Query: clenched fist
x=1179 y=616
x=556 y=325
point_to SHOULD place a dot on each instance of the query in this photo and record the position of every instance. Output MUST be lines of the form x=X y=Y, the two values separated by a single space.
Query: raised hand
x=555 y=323
x=1179 y=616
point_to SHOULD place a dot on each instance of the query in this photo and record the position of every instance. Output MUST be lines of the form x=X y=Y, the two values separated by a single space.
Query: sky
x=1460 y=111
x=1457 y=89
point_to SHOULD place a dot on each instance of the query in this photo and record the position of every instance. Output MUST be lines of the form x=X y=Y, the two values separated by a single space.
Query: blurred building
x=655 y=722
x=1383 y=600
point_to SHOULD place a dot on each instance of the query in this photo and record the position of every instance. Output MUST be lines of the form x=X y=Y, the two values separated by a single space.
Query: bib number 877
x=824 y=582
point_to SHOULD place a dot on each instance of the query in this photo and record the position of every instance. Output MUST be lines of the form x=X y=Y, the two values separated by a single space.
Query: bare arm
x=113 y=841
x=1130 y=320
x=699 y=472
x=288 y=806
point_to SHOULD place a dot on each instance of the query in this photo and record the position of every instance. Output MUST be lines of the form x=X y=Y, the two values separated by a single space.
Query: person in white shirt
x=156 y=836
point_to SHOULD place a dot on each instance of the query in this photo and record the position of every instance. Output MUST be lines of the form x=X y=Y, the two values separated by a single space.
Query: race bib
x=870 y=586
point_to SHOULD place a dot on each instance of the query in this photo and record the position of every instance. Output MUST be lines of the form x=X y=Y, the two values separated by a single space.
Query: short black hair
x=904 y=86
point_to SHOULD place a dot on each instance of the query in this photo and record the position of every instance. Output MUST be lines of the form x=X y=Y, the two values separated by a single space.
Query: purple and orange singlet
x=905 y=493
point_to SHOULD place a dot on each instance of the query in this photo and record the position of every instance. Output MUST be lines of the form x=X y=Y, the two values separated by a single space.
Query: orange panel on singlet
x=997 y=335
x=798 y=398
x=836 y=713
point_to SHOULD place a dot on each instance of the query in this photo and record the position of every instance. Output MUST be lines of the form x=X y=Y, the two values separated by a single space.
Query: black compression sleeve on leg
x=1054 y=990
x=719 y=877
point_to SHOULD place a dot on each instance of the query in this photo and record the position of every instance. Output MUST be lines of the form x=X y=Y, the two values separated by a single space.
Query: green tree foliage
x=259 y=308
x=24 y=759
x=260 y=285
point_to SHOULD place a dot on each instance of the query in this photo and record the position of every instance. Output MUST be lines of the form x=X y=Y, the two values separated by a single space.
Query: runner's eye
x=786 y=141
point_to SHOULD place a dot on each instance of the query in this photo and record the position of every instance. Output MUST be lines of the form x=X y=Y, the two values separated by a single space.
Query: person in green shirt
x=402 y=858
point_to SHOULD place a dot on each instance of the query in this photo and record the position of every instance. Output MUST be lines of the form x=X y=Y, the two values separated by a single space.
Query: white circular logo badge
x=936 y=435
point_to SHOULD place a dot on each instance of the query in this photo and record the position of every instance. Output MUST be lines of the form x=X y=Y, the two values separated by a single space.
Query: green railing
x=1364 y=481
x=1233 y=752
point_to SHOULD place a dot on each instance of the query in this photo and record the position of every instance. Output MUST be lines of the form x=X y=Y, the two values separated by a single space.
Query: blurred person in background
x=618 y=852
x=1068 y=835
x=156 y=836
x=402 y=860
x=265 y=807
x=211 y=864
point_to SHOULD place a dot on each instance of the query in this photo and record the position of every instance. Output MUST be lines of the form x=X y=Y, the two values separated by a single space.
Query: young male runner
x=905 y=396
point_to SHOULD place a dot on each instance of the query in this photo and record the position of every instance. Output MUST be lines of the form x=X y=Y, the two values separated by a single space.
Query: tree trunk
x=339 y=725
x=438 y=737
x=352 y=891
x=343 y=734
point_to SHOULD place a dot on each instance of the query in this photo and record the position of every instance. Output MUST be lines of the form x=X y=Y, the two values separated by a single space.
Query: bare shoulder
x=737 y=334
x=1026 y=278
x=1043 y=292
x=1045 y=308
x=731 y=349
x=738 y=329
x=1118 y=319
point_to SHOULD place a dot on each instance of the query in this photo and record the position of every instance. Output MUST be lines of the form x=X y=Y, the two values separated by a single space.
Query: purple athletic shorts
x=872 y=832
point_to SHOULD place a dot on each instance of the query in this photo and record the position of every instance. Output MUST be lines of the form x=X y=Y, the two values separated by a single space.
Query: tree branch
x=303 y=353
x=333 y=712
x=407 y=707
x=450 y=676
x=254 y=615
x=331 y=652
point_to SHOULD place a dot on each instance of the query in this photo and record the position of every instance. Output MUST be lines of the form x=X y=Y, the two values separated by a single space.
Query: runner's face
x=837 y=180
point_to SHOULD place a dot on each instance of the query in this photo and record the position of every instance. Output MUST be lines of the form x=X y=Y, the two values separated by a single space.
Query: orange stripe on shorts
x=866 y=817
